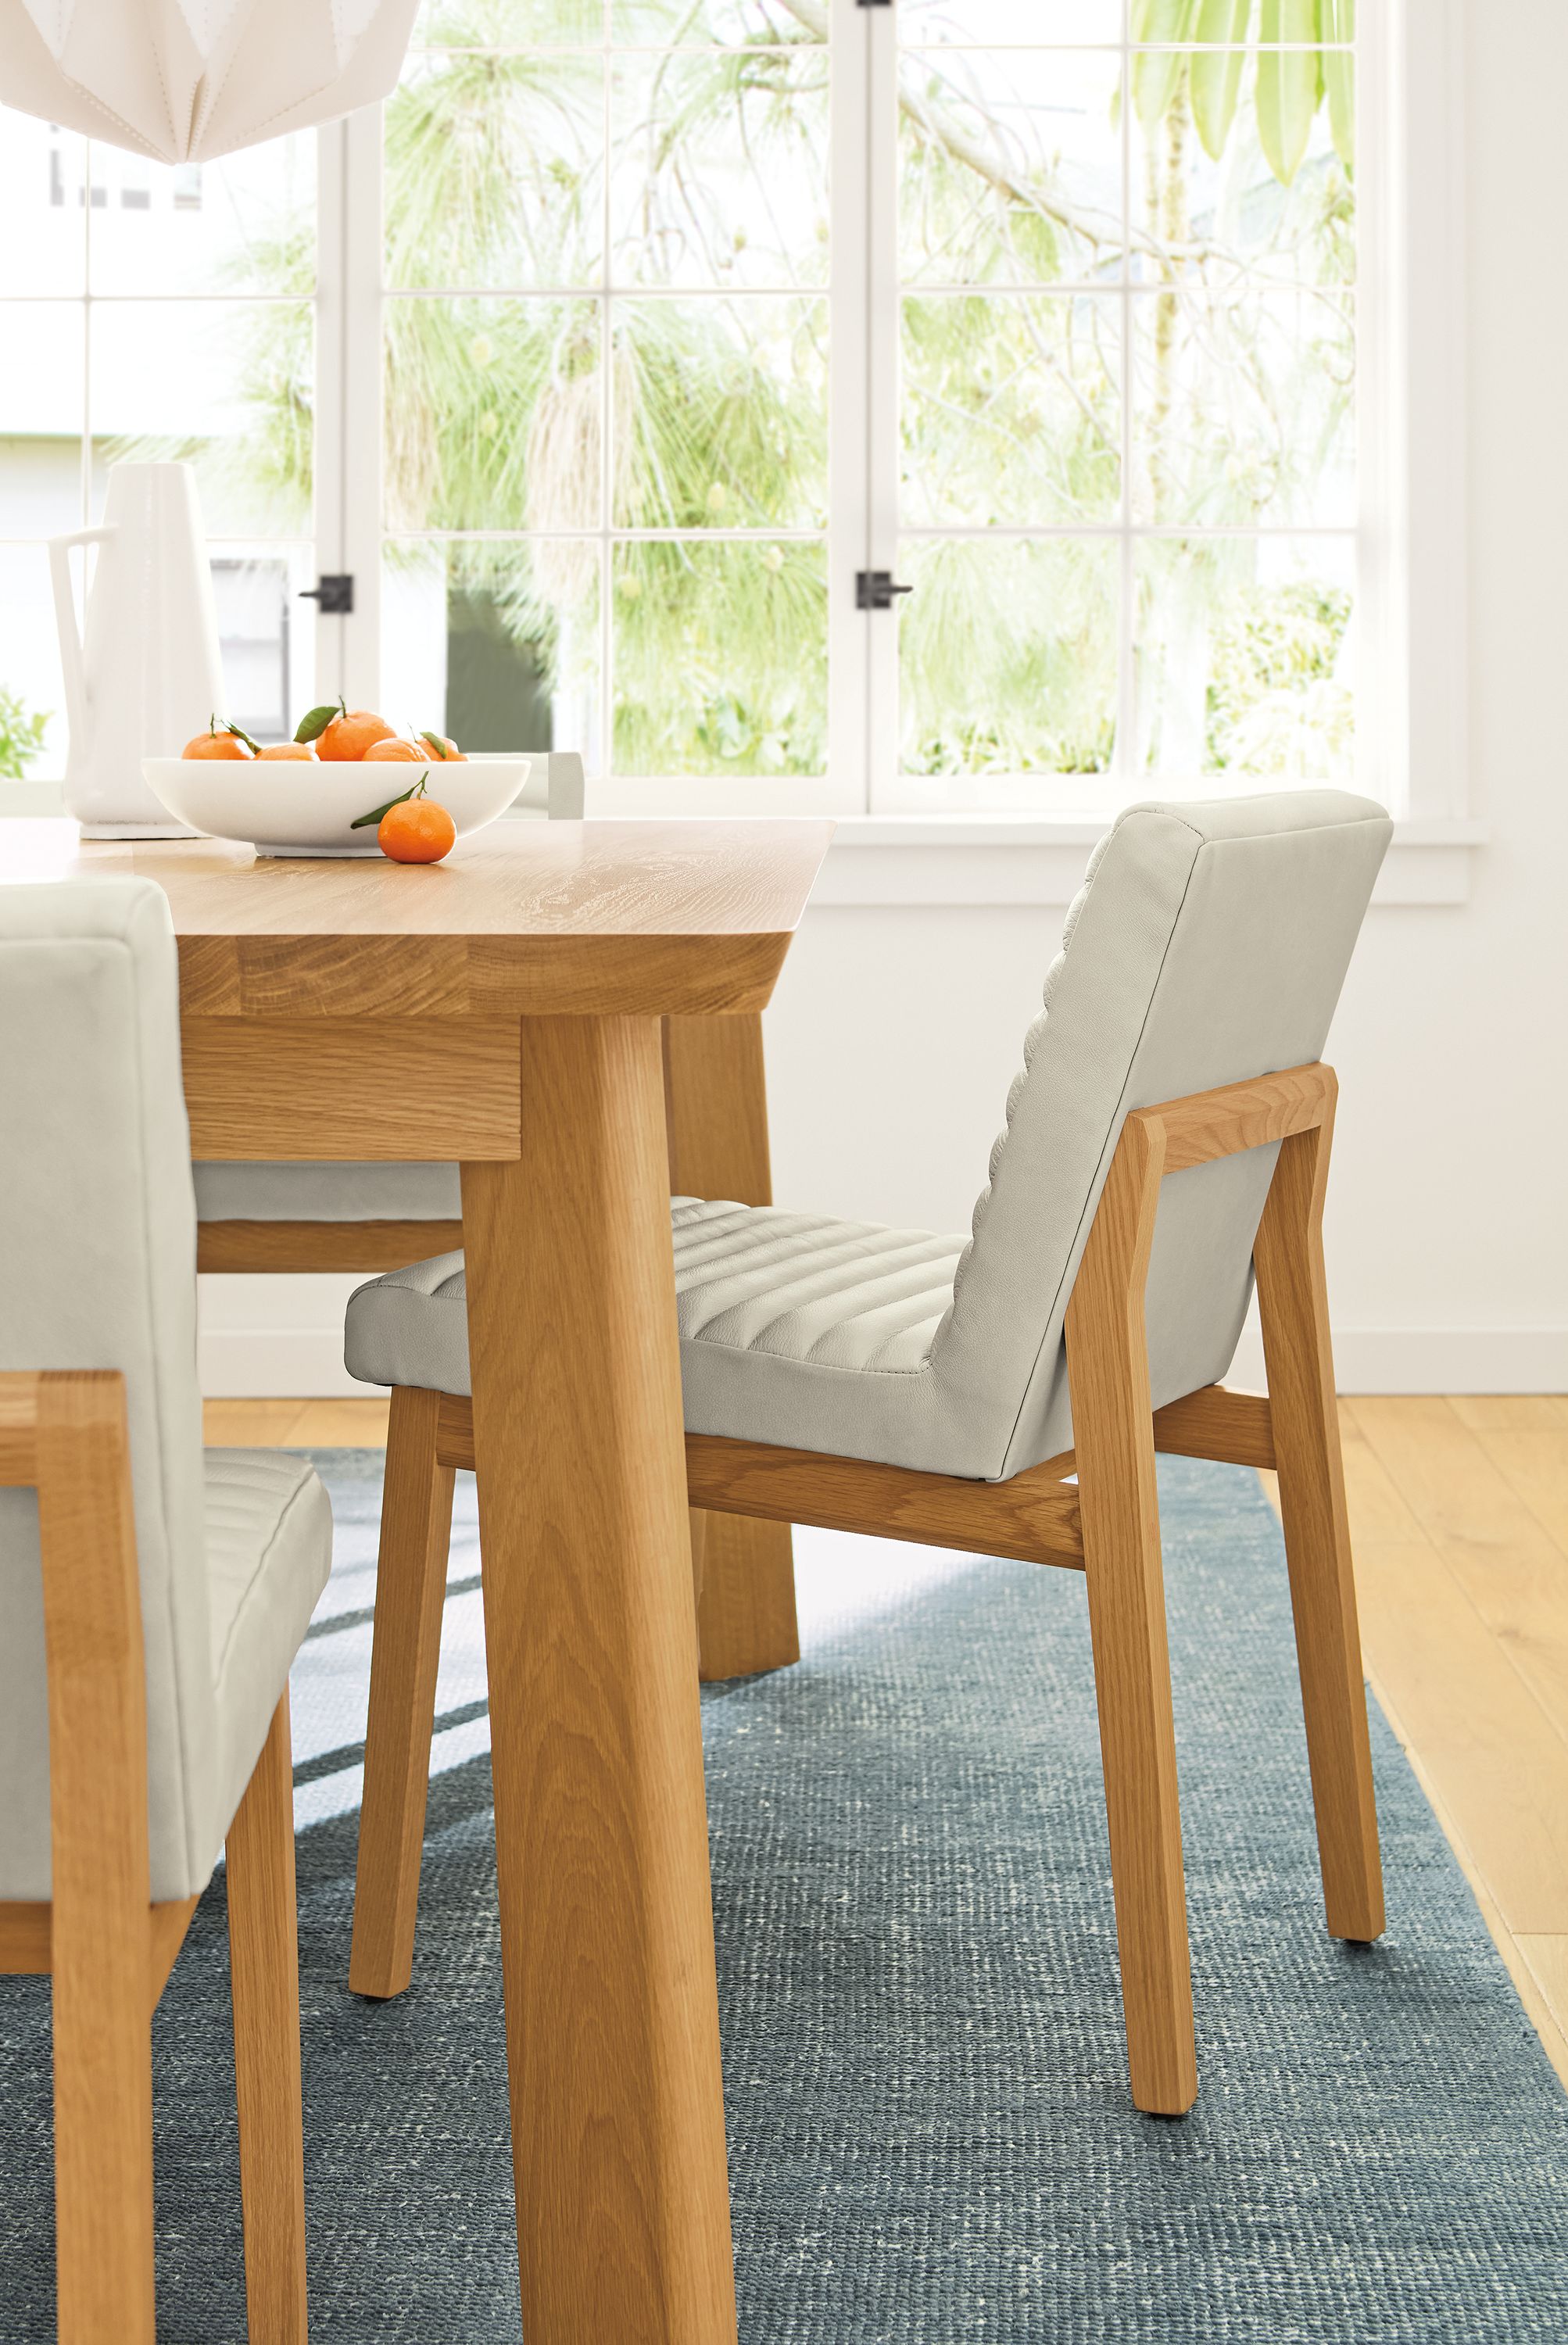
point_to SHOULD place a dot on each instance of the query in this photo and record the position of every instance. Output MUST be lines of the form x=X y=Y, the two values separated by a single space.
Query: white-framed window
x=648 y=333
x=1115 y=400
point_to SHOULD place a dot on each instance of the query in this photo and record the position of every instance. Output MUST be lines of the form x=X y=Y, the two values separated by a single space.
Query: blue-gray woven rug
x=931 y=2139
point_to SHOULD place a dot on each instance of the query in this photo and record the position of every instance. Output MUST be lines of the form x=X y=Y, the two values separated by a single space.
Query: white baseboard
x=266 y=1363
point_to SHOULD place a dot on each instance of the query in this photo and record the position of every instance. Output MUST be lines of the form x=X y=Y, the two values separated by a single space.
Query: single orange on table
x=416 y=830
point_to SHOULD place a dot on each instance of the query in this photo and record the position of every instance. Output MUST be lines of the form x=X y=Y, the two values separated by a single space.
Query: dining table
x=512 y=1009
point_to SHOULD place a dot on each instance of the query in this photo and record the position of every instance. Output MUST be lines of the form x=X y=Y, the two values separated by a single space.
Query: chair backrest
x=97 y=1270
x=554 y=789
x=1208 y=943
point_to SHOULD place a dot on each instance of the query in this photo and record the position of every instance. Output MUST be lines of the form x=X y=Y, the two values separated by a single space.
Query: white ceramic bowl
x=288 y=806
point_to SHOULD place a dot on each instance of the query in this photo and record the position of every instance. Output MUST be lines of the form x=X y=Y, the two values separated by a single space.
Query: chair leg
x=103 y=2145
x=1112 y=1436
x=1292 y=1295
x=746 y=1615
x=264 y=1966
x=1137 y=1745
x=411 y=1589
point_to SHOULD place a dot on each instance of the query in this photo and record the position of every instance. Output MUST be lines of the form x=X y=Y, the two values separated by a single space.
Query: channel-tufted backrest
x=97 y=1270
x=1208 y=943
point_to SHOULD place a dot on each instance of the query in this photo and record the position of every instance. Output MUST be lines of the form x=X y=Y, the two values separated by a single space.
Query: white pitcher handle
x=71 y=667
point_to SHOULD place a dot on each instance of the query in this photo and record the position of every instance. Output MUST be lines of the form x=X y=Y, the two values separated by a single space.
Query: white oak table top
x=526 y=918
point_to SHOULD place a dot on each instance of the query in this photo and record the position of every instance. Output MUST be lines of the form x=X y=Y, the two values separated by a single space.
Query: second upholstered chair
x=1170 y=1130
x=151 y=1600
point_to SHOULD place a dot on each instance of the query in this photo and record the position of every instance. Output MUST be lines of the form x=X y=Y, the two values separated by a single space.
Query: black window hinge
x=335 y=590
x=875 y=589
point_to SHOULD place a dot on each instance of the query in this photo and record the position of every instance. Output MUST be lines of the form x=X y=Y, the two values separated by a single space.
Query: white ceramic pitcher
x=144 y=674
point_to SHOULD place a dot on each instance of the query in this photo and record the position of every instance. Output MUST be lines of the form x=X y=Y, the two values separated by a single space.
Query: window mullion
x=331 y=422
x=348 y=477
x=1124 y=758
x=878 y=293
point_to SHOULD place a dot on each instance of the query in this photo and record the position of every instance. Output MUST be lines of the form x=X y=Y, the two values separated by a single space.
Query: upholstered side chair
x=151 y=1600
x=335 y=1217
x=1007 y=1391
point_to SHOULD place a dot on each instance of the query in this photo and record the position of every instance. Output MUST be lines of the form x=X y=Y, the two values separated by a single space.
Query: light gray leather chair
x=151 y=1600
x=1006 y=1390
x=325 y=1217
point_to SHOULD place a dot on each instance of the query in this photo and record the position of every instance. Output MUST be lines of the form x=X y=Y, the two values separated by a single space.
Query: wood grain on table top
x=679 y=877
x=674 y=918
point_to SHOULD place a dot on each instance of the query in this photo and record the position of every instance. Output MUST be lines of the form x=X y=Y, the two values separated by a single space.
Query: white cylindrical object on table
x=145 y=673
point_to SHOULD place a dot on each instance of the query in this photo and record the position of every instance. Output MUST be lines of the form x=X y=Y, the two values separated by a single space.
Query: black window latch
x=875 y=589
x=334 y=592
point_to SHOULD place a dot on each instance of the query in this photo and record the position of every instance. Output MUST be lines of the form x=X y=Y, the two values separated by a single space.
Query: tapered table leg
x=716 y=1095
x=612 y=2016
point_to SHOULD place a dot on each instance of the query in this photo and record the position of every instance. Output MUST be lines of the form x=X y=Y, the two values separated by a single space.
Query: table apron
x=420 y=1090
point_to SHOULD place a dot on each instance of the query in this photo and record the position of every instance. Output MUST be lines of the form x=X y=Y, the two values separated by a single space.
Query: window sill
x=1011 y=860
x=1004 y=858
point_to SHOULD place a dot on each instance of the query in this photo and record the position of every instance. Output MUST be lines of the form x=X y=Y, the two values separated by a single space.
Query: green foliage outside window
x=1240 y=252
x=22 y=731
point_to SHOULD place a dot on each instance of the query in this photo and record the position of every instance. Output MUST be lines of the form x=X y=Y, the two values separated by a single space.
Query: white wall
x=895 y=1032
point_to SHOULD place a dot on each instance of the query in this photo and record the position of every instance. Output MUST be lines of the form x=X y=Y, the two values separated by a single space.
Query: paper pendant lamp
x=184 y=80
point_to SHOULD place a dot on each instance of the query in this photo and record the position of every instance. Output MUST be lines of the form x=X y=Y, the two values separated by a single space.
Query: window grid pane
x=1218 y=274
x=660 y=406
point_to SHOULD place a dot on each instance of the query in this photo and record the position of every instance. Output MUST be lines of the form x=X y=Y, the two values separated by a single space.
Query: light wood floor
x=1459 y=1512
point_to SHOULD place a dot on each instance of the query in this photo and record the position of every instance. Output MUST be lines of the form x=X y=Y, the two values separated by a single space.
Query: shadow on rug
x=931 y=2139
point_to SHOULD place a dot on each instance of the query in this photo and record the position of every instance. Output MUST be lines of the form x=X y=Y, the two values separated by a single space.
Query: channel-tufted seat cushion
x=794 y=1294
x=836 y=1294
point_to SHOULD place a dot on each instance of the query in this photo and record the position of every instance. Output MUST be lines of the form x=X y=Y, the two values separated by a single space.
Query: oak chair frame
x=106 y=1946
x=1106 y=1524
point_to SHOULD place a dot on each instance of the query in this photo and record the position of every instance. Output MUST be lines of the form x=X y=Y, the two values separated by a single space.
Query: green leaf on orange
x=315 y=721
x=362 y=821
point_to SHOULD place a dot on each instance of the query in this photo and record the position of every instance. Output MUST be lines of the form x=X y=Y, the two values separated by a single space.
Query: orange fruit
x=215 y=745
x=349 y=737
x=395 y=753
x=289 y=749
x=416 y=830
x=453 y=754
